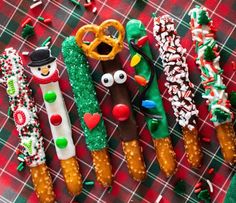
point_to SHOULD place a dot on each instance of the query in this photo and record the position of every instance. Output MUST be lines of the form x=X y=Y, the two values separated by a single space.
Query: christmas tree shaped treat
x=23 y=108
x=179 y=86
x=44 y=69
x=106 y=49
x=89 y=111
x=203 y=36
x=150 y=100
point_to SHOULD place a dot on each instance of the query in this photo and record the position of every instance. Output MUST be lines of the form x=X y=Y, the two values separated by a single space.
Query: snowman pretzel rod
x=31 y=150
x=44 y=69
x=114 y=78
x=179 y=86
x=203 y=36
x=150 y=100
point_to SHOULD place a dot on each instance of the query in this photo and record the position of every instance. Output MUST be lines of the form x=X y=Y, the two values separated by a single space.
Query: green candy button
x=50 y=96
x=61 y=142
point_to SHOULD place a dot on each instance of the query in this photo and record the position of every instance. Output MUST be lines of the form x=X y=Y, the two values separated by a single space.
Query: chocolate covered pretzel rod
x=26 y=120
x=150 y=99
x=203 y=36
x=173 y=56
x=88 y=108
x=44 y=69
x=105 y=48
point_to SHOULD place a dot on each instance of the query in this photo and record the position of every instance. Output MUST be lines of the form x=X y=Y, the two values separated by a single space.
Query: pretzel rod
x=203 y=36
x=150 y=98
x=173 y=56
x=88 y=109
x=44 y=69
x=26 y=120
x=114 y=78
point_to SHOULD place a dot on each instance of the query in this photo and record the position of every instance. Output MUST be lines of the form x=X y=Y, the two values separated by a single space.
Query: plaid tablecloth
x=66 y=19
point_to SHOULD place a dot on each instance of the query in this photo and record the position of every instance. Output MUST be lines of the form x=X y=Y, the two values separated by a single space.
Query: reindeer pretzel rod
x=99 y=32
x=44 y=69
x=150 y=98
x=179 y=85
x=203 y=36
x=107 y=49
x=88 y=109
x=26 y=120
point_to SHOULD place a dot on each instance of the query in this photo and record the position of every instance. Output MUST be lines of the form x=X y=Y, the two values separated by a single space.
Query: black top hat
x=41 y=57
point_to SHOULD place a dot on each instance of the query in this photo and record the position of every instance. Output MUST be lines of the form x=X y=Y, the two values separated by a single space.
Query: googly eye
x=107 y=80
x=120 y=76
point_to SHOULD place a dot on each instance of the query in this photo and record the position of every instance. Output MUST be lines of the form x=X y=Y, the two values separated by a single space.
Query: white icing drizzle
x=23 y=107
x=176 y=70
x=204 y=37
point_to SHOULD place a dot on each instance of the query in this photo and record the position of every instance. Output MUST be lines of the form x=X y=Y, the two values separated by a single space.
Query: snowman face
x=44 y=71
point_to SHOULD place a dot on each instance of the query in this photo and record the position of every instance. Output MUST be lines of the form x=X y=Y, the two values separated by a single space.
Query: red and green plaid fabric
x=66 y=19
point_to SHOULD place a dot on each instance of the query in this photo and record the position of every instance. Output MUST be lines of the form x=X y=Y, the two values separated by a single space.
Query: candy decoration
x=27 y=21
x=203 y=34
x=55 y=119
x=92 y=120
x=77 y=67
x=121 y=112
x=155 y=117
x=50 y=96
x=148 y=104
x=209 y=54
x=30 y=150
x=28 y=31
x=205 y=196
x=178 y=84
x=140 y=80
x=141 y=41
x=61 y=142
x=203 y=18
x=135 y=60
x=44 y=69
x=89 y=183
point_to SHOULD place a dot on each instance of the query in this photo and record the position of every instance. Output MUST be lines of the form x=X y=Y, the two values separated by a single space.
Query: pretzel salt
x=100 y=36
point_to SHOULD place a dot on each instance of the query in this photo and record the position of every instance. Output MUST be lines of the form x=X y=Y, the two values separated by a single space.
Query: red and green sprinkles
x=203 y=36
x=30 y=150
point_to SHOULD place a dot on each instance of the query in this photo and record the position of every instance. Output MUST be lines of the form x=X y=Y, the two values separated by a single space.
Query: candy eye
x=120 y=76
x=107 y=80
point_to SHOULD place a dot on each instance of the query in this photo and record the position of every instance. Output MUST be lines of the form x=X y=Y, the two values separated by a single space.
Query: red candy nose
x=121 y=112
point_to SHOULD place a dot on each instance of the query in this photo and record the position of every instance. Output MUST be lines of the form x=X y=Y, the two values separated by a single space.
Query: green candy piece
x=232 y=98
x=135 y=30
x=154 y=125
x=203 y=19
x=61 y=142
x=205 y=196
x=50 y=96
x=28 y=31
x=209 y=54
x=220 y=115
x=180 y=187
x=231 y=194
x=84 y=93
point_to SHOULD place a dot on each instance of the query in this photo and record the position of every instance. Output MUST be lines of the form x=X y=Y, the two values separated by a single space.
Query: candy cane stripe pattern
x=203 y=36
x=178 y=84
x=31 y=150
x=45 y=73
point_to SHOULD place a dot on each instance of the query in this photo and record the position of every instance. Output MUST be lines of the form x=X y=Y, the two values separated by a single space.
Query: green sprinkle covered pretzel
x=88 y=108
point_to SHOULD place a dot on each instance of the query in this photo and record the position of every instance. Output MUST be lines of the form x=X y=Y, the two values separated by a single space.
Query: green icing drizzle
x=84 y=92
x=135 y=30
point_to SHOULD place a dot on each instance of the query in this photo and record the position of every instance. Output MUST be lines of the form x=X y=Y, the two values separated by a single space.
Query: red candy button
x=56 y=119
x=121 y=112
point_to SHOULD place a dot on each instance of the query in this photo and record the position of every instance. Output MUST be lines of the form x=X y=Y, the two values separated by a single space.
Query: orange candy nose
x=44 y=70
x=121 y=112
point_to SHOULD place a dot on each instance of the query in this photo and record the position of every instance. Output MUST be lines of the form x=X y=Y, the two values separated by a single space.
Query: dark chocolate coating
x=119 y=94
